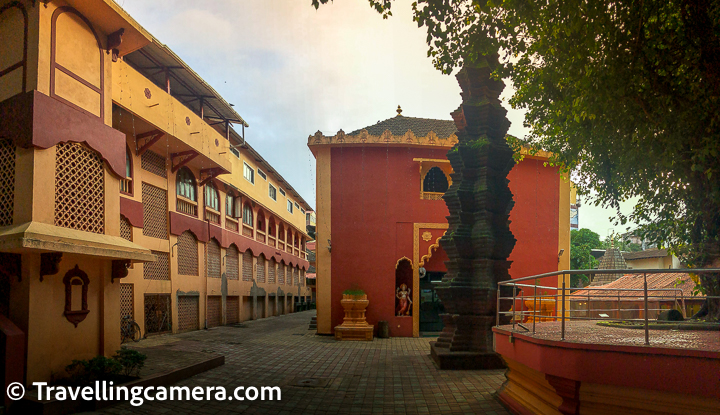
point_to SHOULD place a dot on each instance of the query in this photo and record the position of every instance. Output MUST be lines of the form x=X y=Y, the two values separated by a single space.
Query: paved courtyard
x=386 y=376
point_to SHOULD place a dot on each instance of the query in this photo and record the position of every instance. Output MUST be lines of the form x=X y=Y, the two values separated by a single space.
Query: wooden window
x=232 y=263
x=126 y=184
x=212 y=200
x=154 y=200
x=290 y=206
x=282 y=192
x=212 y=258
x=247 y=266
x=7 y=182
x=247 y=215
x=186 y=184
x=187 y=254
x=248 y=173
x=262 y=174
x=260 y=269
x=272 y=192
x=435 y=181
x=230 y=206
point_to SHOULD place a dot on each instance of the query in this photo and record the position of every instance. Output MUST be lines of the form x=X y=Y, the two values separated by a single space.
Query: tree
x=582 y=242
x=624 y=94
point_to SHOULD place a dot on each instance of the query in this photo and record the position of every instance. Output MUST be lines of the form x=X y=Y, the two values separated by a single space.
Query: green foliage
x=99 y=368
x=131 y=361
x=85 y=372
x=626 y=95
x=354 y=292
x=582 y=242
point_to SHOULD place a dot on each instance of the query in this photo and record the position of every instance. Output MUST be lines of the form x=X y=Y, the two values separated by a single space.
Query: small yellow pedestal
x=354 y=326
x=546 y=309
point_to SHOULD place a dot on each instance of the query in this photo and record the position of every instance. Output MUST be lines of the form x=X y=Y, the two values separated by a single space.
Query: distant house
x=665 y=291
x=651 y=259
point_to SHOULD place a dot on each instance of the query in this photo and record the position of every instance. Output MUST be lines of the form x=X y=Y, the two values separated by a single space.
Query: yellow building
x=118 y=161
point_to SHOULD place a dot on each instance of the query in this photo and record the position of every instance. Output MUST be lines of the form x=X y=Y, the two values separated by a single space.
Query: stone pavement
x=385 y=376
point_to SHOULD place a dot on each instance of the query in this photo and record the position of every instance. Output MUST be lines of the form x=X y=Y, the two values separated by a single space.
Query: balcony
x=431 y=195
x=271 y=241
x=260 y=236
x=187 y=206
x=247 y=231
x=231 y=224
x=212 y=216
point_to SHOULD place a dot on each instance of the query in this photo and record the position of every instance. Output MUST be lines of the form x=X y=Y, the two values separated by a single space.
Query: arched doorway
x=432 y=271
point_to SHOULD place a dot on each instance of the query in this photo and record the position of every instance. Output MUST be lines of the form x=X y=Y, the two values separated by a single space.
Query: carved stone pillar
x=478 y=241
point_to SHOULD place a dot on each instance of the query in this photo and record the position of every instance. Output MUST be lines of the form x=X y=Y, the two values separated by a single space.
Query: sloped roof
x=612 y=259
x=636 y=282
x=400 y=124
x=648 y=253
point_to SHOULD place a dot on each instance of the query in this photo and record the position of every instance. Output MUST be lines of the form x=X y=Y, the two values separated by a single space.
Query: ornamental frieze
x=386 y=138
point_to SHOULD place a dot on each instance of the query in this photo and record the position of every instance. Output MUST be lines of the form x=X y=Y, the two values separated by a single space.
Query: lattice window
x=79 y=188
x=158 y=315
x=212 y=256
x=232 y=309
x=247 y=266
x=158 y=270
x=187 y=249
x=126 y=301
x=232 y=260
x=188 y=313
x=154 y=200
x=281 y=274
x=271 y=271
x=7 y=182
x=302 y=277
x=295 y=276
x=125 y=229
x=260 y=269
x=154 y=163
x=214 y=311
x=288 y=275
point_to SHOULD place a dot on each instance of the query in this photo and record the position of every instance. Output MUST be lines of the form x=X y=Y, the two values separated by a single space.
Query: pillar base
x=447 y=360
x=354 y=333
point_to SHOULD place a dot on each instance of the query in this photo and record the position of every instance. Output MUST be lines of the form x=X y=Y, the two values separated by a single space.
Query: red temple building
x=380 y=215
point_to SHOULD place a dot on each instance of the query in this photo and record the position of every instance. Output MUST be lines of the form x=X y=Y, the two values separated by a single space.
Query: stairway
x=313 y=323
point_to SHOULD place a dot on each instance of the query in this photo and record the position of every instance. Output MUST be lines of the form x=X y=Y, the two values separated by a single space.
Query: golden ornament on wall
x=427 y=236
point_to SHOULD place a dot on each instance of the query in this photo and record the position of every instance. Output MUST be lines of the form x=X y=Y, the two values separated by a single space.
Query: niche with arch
x=76 y=292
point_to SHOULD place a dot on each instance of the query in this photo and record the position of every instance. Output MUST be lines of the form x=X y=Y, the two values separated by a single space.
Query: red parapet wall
x=573 y=377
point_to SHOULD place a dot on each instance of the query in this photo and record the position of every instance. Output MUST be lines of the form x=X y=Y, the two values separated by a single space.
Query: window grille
x=187 y=254
x=262 y=174
x=158 y=270
x=247 y=266
x=127 y=301
x=232 y=260
x=188 y=313
x=212 y=254
x=214 y=310
x=260 y=269
x=158 y=315
x=79 y=188
x=154 y=163
x=125 y=229
x=7 y=182
x=435 y=181
x=295 y=277
x=232 y=309
x=288 y=275
x=281 y=274
x=154 y=200
x=271 y=271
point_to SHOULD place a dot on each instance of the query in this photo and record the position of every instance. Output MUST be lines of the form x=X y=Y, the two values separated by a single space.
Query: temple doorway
x=430 y=305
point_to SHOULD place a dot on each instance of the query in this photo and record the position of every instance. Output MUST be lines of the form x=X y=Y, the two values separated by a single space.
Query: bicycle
x=129 y=329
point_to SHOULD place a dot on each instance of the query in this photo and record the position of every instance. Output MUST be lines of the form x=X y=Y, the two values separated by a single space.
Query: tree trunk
x=711 y=307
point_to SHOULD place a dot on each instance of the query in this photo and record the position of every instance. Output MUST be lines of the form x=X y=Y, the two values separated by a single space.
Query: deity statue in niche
x=402 y=293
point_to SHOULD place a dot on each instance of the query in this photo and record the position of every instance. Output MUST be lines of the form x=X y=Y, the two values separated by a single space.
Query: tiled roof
x=649 y=253
x=635 y=281
x=399 y=125
x=612 y=259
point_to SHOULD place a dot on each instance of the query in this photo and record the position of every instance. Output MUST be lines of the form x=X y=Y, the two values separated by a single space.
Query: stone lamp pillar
x=478 y=240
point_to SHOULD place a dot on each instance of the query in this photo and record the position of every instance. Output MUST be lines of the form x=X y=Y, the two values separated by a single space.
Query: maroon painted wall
x=375 y=201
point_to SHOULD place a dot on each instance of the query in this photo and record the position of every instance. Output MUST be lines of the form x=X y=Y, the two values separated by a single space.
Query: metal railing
x=565 y=295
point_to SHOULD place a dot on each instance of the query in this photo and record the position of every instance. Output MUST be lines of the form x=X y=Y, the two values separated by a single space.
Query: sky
x=291 y=70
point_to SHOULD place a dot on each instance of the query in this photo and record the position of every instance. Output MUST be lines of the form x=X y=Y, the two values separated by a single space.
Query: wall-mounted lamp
x=562 y=251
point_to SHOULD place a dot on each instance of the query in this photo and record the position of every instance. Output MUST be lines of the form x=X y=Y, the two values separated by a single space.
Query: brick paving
x=385 y=376
x=590 y=332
